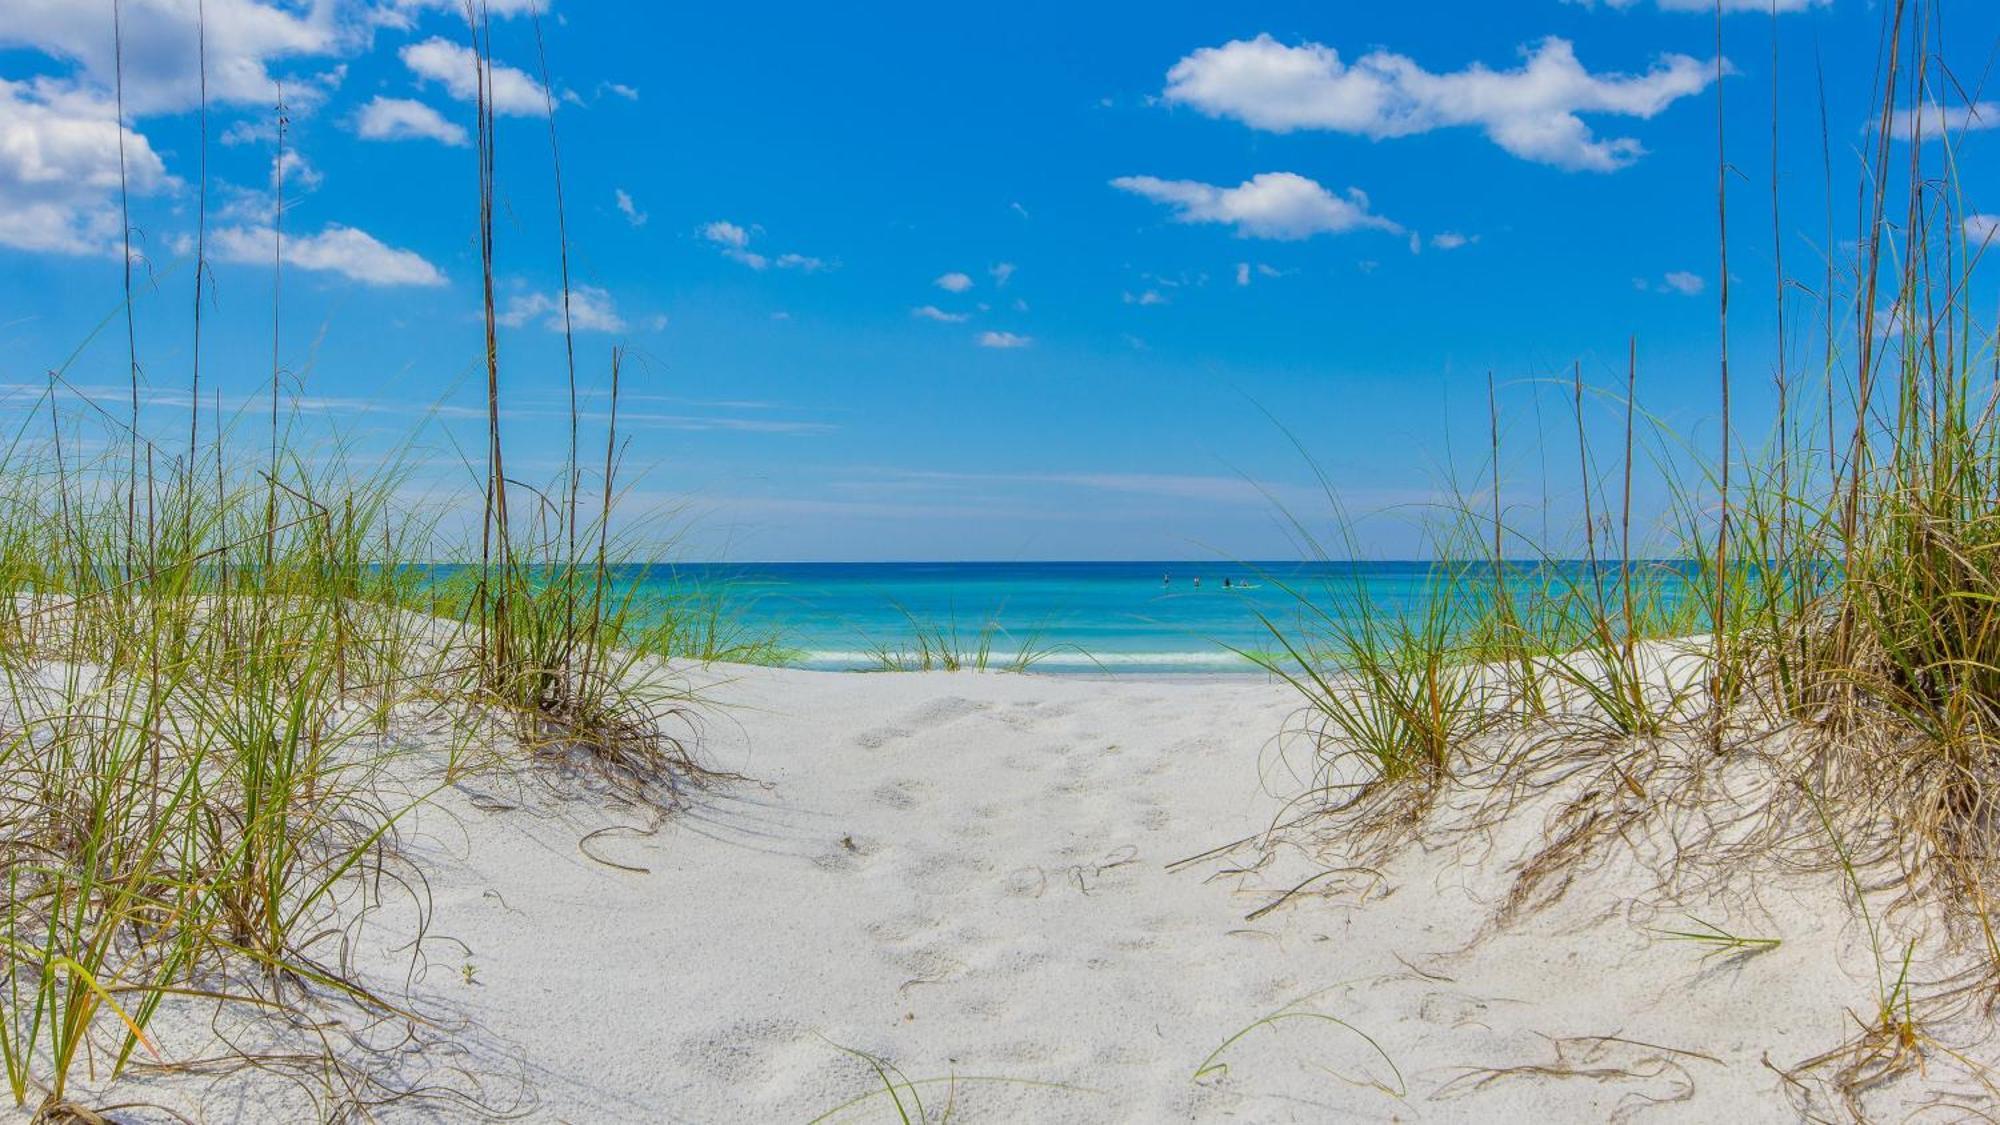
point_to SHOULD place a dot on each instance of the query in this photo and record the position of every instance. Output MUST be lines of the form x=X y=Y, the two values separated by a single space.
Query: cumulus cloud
x=1531 y=111
x=59 y=169
x=1281 y=205
x=292 y=167
x=245 y=39
x=628 y=209
x=453 y=66
x=1452 y=240
x=347 y=251
x=401 y=119
x=1001 y=272
x=590 y=310
x=1003 y=340
x=1932 y=120
x=734 y=243
x=954 y=282
x=932 y=312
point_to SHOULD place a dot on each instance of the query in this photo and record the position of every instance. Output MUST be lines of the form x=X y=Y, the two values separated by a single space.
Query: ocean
x=1077 y=617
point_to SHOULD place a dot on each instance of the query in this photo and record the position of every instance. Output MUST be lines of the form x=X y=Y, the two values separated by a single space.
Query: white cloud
x=293 y=167
x=1932 y=120
x=1280 y=205
x=401 y=119
x=1149 y=297
x=59 y=169
x=1676 y=281
x=590 y=310
x=954 y=282
x=244 y=39
x=726 y=233
x=1681 y=281
x=1982 y=229
x=453 y=65
x=629 y=93
x=1001 y=272
x=628 y=209
x=352 y=253
x=1244 y=271
x=1531 y=112
x=1003 y=340
x=932 y=312
x=1452 y=240
x=734 y=242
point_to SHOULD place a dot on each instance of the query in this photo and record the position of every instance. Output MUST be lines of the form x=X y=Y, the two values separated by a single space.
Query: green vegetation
x=1824 y=611
x=205 y=639
x=940 y=646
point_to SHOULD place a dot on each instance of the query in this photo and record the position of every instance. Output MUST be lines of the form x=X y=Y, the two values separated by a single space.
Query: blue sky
x=910 y=281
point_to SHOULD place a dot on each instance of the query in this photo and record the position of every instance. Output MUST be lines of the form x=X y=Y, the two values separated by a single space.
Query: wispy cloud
x=1674 y=281
x=733 y=240
x=1003 y=340
x=628 y=209
x=1277 y=205
x=932 y=312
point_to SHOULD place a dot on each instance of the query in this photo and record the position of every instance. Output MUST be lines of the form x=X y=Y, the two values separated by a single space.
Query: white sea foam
x=1061 y=659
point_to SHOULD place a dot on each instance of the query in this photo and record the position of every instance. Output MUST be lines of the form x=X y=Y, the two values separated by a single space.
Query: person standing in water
x=1197 y=581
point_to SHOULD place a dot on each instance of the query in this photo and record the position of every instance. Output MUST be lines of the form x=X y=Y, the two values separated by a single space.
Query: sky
x=921 y=281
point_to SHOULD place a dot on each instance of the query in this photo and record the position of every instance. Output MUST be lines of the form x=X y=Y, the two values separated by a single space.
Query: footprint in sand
x=900 y=794
x=879 y=737
x=941 y=711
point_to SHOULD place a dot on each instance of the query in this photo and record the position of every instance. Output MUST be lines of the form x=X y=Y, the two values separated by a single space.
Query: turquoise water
x=1080 y=616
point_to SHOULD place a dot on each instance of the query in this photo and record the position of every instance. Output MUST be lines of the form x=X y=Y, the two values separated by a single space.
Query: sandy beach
x=975 y=880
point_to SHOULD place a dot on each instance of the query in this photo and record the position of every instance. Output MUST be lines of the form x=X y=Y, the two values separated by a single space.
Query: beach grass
x=1838 y=586
x=206 y=635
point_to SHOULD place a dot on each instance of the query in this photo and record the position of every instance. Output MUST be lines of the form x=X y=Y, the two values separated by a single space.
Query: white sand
x=967 y=875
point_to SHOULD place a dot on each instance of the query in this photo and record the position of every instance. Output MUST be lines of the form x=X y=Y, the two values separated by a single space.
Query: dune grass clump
x=206 y=640
x=933 y=645
x=1796 y=661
